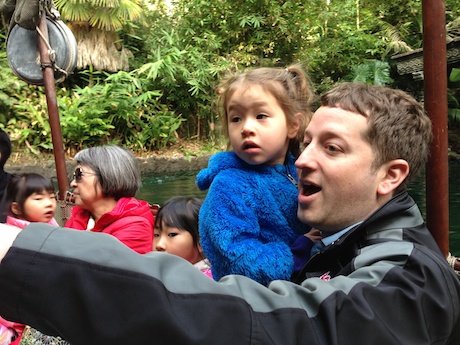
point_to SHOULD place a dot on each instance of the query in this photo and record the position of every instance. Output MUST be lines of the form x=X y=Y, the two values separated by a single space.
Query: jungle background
x=147 y=70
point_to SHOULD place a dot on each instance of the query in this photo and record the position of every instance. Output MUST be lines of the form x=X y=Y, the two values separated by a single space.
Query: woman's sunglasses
x=78 y=174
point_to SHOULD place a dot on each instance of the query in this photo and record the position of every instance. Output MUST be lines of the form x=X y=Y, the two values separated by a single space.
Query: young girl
x=249 y=217
x=29 y=198
x=176 y=231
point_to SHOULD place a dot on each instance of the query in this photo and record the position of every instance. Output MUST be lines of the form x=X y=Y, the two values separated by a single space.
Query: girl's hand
x=314 y=235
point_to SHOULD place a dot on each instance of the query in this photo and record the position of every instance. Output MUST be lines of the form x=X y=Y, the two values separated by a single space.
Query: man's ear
x=293 y=127
x=393 y=174
x=15 y=209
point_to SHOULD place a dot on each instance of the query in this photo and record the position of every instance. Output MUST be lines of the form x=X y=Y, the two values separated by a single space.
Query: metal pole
x=53 y=112
x=435 y=94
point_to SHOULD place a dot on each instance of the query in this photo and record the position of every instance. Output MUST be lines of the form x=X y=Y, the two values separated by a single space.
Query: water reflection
x=417 y=190
x=158 y=188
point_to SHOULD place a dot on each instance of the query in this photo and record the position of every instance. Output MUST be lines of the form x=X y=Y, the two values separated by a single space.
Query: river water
x=158 y=188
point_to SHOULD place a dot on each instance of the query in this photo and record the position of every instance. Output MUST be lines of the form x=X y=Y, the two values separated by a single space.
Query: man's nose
x=306 y=158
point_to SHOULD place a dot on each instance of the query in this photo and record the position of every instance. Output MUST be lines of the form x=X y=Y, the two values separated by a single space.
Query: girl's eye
x=172 y=234
x=261 y=116
x=235 y=119
x=156 y=235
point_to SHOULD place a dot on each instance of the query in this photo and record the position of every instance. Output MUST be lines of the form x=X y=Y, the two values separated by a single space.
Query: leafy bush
x=454 y=98
x=118 y=109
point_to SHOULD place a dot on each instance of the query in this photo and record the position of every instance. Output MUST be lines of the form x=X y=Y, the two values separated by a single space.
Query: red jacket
x=131 y=221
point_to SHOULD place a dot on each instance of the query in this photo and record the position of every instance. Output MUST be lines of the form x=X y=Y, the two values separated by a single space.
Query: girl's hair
x=180 y=212
x=115 y=167
x=21 y=186
x=290 y=86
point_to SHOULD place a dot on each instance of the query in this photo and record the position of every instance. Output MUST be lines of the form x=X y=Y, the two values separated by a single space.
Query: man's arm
x=89 y=288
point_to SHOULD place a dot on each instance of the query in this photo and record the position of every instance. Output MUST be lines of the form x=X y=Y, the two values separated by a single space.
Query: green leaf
x=454 y=75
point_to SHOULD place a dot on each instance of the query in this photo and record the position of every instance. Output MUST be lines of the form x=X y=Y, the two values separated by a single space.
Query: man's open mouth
x=309 y=189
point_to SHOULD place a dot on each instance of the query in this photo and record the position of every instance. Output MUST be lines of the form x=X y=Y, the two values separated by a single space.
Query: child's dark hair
x=21 y=186
x=290 y=86
x=180 y=212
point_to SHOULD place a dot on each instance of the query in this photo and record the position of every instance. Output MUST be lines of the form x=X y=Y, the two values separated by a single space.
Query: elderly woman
x=104 y=184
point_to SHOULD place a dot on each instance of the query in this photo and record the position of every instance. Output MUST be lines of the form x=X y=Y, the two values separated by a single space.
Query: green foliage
x=105 y=15
x=342 y=35
x=374 y=72
x=119 y=109
x=82 y=118
x=455 y=75
x=453 y=96
x=245 y=32
x=180 y=54
x=187 y=74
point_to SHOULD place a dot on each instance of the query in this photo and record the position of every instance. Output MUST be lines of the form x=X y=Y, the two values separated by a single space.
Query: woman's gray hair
x=116 y=169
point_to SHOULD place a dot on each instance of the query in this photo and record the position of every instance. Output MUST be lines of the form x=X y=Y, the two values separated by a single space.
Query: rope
x=454 y=262
x=51 y=55
x=47 y=7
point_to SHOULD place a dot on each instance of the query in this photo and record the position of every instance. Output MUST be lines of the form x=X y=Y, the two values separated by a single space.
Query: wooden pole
x=435 y=94
x=53 y=112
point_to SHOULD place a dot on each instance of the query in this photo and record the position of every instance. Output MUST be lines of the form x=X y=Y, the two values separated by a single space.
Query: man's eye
x=332 y=148
x=304 y=145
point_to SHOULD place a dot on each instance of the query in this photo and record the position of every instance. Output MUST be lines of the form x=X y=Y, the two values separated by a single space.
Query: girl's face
x=177 y=242
x=38 y=207
x=257 y=126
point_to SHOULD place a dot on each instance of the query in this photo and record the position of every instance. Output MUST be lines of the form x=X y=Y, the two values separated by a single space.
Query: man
x=380 y=279
x=5 y=152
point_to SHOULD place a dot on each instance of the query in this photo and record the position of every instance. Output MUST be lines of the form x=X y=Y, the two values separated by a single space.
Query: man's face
x=337 y=184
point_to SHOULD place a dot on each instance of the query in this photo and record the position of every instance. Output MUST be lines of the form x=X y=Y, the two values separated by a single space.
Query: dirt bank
x=184 y=156
x=147 y=165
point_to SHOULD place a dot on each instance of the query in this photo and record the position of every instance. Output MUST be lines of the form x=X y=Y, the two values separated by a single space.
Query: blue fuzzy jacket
x=249 y=218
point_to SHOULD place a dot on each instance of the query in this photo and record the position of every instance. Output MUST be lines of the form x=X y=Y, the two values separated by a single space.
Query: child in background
x=28 y=198
x=176 y=231
x=249 y=217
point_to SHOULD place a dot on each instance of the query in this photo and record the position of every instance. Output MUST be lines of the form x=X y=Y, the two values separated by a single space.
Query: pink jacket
x=21 y=223
x=131 y=221
x=19 y=327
